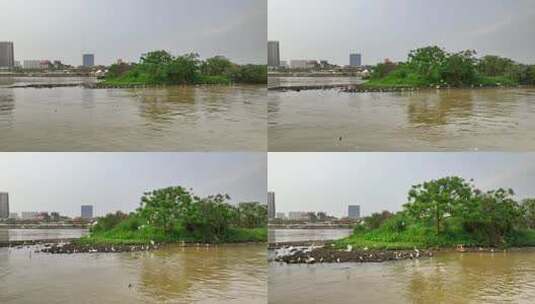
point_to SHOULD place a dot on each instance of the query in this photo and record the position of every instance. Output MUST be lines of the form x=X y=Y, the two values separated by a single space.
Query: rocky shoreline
x=70 y=248
x=362 y=88
x=311 y=255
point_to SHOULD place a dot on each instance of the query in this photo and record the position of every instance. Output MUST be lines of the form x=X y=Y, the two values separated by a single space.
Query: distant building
x=88 y=60
x=32 y=64
x=298 y=216
x=355 y=60
x=274 y=59
x=55 y=217
x=353 y=211
x=284 y=64
x=280 y=215
x=4 y=205
x=13 y=215
x=298 y=64
x=17 y=64
x=87 y=211
x=29 y=215
x=271 y=205
x=7 y=54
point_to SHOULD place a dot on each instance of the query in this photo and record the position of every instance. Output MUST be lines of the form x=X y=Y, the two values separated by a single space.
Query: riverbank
x=384 y=88
x=327 y=254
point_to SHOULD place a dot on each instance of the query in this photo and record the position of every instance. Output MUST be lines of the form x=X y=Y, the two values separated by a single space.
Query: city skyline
x=329 y=182
x=76 y=27
x=62 y=182
x=390 y=29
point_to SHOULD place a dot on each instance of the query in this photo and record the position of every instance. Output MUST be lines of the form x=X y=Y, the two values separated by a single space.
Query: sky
x=116 y=181
x=65 y=29
x=330 y=182
x=379 y=29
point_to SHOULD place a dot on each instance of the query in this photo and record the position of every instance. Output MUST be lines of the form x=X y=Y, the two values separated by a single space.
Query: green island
x=447 y=213
x=162 y=68
x=176 y=215
x=433 y=66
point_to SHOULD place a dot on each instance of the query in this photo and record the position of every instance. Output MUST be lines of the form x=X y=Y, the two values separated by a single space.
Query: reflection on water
x=40 y=234
x=227 y=274
x=447 y=278
x=300 y=235
x=187 y=118
x=456 y=119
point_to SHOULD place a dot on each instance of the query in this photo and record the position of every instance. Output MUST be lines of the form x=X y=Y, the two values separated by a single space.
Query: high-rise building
x=274 y=59
x=7 y=54
x=88 y=60
x=87 y=211
x=355 y=60
x=353 y=211
x=271 y=205
x=4 y=205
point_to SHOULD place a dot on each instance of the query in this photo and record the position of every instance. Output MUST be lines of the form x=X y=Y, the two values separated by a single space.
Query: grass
x=122 y=235
x=403 y=78
x=144 y=79
x=420 y=236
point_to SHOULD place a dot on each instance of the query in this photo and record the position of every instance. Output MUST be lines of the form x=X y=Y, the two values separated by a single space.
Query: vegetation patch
x=162 y=68
x=434 y=67
x=174 y=214
x=449 y=212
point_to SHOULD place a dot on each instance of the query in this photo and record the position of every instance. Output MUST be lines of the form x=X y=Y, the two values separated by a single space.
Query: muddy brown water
x=224 y=274
x=485 y=278
x=176 y=118
x=429 y=120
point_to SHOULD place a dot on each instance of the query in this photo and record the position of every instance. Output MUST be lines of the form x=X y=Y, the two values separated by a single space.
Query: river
x=175 y=118
x=40 y=234
x=428 y=120
x=311 y=81
x=225 y=274
x=300 y=235
x=476 y=278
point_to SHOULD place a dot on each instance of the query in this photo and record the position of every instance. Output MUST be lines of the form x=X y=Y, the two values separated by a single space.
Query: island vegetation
x=449 y=212
x=162 y=68
x=175 y=215
x=435 y=67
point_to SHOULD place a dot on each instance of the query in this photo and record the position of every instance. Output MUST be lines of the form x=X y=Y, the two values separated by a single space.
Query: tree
x=428 y=62
x=252 y=215
x=459 y=69
x=156 y=57
x=375 y=220
x=529 y=209
x=163 y=208
x=216 y=66
x=437 y=199
x=496 y=216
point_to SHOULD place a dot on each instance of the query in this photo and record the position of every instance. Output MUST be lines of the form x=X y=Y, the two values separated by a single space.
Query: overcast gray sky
x=327 y=29
x=64 y=29
x=115 y=181
x=380 y=181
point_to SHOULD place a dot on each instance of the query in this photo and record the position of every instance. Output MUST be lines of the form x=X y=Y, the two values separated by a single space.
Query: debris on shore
x=312 y=255
x=70 y=248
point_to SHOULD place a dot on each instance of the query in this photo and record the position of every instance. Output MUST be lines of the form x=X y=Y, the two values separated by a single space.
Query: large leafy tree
x=460 y=68
x=529 y=209
x=164 y=208
x=428 y=62
x=434 y=200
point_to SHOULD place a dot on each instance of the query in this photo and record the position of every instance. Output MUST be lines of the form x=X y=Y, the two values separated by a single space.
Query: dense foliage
x=160 y=67
x=176 y=214
x=430 y=66
x=447 y=212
